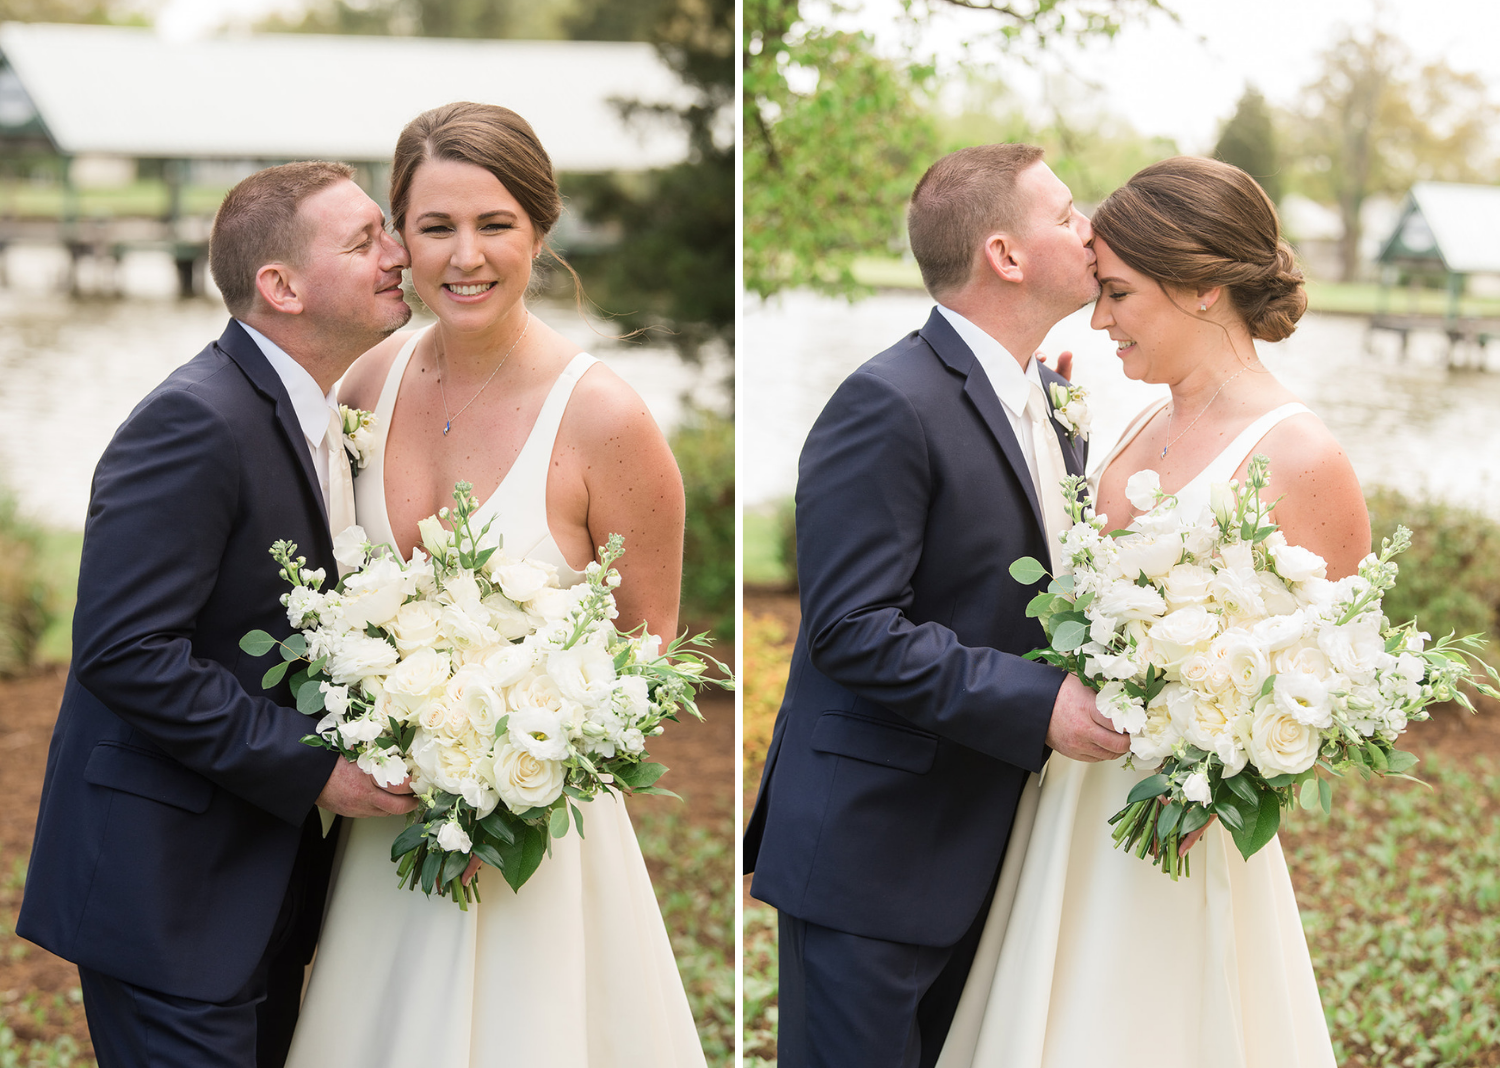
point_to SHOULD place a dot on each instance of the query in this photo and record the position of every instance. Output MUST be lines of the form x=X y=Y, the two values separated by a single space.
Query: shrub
x=763 y=675
x=704 y=447
x=23 y=593
x=1450 y=577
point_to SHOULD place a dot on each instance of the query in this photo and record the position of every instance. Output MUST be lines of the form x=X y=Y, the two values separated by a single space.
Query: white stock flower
x=1279 y=744
x=304 y=606
x=349 y=546
x=453 y=838
x=358 y=656
x=1196 y=788
x=521 y=779
x=1141 y=489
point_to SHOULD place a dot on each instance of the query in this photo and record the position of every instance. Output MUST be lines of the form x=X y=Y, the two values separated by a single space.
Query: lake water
x=72 y=370
x=1410 y=424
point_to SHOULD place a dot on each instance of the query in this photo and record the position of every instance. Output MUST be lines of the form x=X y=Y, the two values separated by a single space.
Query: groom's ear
x=999 y=253
x=278 y=289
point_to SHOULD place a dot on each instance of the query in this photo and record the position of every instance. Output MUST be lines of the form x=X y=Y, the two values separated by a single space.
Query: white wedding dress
x=574 y=971
x=1094 y=958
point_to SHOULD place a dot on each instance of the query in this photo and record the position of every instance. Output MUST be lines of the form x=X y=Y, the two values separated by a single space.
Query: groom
x=910 y=721
x=179 y=860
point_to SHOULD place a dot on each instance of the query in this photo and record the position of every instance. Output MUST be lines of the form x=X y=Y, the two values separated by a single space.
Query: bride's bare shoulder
x=1321 y=505
x=360 y=387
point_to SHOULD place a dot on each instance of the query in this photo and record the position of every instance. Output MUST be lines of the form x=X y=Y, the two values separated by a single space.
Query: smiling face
x=350 y=270
x=1058 y=262
x=1154 y=327
x=471 y=244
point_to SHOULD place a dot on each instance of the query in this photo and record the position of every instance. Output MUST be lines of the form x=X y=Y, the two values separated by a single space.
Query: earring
x=1203 y=307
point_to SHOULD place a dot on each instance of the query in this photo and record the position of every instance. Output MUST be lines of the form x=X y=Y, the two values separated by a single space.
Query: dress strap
x=386 y=405
x=1223 y=466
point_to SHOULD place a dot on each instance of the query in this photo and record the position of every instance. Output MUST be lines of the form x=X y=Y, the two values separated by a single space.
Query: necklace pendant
x=449 y=426
x=1163 y=451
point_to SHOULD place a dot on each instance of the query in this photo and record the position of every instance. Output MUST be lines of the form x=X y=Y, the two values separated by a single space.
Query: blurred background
x=122 y=125
x=1373 y=126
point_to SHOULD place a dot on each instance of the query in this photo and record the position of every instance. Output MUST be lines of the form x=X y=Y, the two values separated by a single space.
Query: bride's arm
x=633 y=489
x=1322 y=507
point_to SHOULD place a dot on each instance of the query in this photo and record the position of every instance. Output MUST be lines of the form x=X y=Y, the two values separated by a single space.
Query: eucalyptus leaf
x=1027 y=571
x=1061 y=584
x=274 y=675
x=293 y=647
x=310 y=698
x=557 y=823
x=1308 y=795
x=1325 y=796
x=1040 y=605
x=1401 y=762
x=257 y=643
x=1069 y=636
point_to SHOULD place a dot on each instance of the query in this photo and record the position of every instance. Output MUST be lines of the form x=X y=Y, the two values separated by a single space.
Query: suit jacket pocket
x=159 y=778
x=874 y=741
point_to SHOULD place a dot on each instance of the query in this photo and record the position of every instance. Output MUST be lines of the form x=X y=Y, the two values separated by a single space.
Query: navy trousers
x=846 y=1001
x=133 y=1027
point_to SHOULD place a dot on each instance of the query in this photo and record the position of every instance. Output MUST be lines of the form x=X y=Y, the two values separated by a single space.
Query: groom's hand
x=1079 y=730
x=1064 y=365
x=351 y=792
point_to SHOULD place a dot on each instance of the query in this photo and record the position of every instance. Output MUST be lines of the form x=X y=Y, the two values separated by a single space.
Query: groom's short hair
x=258 y=224
x=962 y=199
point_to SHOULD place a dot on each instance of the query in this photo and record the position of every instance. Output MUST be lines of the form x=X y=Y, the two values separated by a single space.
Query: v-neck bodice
x=518 y=505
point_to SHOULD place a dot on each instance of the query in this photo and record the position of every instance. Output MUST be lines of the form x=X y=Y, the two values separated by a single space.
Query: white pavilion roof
x=126 y=91
x=1462 y=224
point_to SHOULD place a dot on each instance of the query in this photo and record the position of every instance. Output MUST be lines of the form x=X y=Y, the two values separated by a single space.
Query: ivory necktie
x=1050 y=470
x=340 y=480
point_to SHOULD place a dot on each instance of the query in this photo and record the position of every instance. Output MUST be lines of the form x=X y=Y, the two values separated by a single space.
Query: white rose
x=507 y=663
x=1355 y=649
x=508 y=618
x=1186 y=584
x=1196 y=788
x=1279 y=744
x=1142 y=554
x=1275 y=633
x=357 y=656
x=1209 y=721
x=1296 y=564
x=1244 y=660
x=415 y=626
x=473 y=693
x=1126 y=600
x=1305 y=698
x=521 y=779
x=1302 y=658
x=1187 y=628
x=418 y=679
x=583 y=673
x=452 y=837
x=349 y=547
x=521 y=580
x=375 y=594
x=1157 y=737
x=1142 y=489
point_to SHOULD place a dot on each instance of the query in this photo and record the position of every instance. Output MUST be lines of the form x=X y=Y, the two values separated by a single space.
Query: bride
x=574 y=970
x=1101 y=959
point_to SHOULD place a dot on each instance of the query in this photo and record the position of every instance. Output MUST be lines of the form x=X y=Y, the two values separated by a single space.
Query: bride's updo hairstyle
x=1198 y=223
x=490 y=137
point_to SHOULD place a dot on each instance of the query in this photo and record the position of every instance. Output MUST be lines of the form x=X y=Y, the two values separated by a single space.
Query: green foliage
x=1400 y=895
x=1450 y=577
x=673 y=265
x=98 y=12
x=692 y=872
x=704 y=447
x=835 y=139
x=1249 y=142
x=23 y=590
x=759 y=940
x=417 y=18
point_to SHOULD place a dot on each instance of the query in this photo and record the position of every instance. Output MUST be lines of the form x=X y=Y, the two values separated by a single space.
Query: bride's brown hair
x=1198 y=223
x=493 y=138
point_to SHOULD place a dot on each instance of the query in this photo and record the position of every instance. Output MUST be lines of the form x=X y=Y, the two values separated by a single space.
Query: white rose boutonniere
x=359 y=435
x=1070 y=407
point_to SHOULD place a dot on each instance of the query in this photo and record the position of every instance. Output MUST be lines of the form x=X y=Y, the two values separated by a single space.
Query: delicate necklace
x=1201 y=414
x=448 y=419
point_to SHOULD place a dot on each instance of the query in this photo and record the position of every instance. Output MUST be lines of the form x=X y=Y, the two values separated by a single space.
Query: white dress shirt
x=1011 y=384
x=309 y=402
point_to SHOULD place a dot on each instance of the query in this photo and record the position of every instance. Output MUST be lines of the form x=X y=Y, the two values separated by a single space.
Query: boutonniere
x=359 y=435
x=1070 y=407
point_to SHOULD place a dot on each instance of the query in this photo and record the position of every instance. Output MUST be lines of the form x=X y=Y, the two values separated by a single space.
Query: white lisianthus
x=436 y=538
x=583 y=673
x=357 y=656
x=375 y=594
x=507 y=664
x=550 y=605
x=522 y=780
x=1126 y=600
x=1142 y=490
x=1275 y=633
x=453 y=838
x=1221 y=503
x=351 y=547
x=1196 y=788
x=507 y=618
x=540 y=731
x=1355 y=649
x=1279 y=743
x=1187 y=628
x=1278 y=600
x=1305 y=698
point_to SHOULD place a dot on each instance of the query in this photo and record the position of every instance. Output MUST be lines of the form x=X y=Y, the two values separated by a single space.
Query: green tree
x=1248 y=141
x=673 y=267
x=836 y=135
x=418 y=18
x=1368 y=126
x=113 y=12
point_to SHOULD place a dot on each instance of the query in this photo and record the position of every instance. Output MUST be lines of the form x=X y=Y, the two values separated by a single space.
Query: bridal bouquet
x=1236 y=668
x=507 y=699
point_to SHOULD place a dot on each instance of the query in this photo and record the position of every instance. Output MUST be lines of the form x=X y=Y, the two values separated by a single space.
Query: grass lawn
x=1399 y=887
x=138 y=199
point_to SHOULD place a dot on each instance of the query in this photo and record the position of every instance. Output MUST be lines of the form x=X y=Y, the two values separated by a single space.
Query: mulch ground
x=36 y=987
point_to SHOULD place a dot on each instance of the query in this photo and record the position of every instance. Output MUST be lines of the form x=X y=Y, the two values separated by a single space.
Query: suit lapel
x=950 y=348
x=242 y=349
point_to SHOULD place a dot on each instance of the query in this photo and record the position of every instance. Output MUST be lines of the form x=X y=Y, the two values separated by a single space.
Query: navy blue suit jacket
x=176 y=788
x=910 y=720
